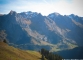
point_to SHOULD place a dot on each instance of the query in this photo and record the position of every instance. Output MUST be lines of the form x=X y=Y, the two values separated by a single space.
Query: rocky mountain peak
x=30 y=14
x=52 y=15
x=12 y=12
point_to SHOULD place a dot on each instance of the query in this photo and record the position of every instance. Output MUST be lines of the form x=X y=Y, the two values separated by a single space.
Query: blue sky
x=45 y=7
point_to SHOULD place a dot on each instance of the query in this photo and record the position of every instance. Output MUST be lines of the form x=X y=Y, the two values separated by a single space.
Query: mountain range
x=33 y=31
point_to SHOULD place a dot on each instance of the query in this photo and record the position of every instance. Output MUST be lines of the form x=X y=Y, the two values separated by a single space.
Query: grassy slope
x=11 y=53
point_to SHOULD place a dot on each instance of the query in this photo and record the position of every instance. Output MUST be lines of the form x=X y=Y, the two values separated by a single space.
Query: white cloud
x=45 y=6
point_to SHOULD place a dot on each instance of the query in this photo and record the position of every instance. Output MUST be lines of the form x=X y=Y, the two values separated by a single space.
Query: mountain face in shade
x=32 y=30
x=75 y=53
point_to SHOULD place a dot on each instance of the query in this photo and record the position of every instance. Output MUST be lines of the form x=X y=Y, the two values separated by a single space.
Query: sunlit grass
x=11 y=53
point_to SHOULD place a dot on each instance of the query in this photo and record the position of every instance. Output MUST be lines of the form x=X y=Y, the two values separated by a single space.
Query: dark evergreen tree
x=5 y=41
x=49 y=56
x=43 y=58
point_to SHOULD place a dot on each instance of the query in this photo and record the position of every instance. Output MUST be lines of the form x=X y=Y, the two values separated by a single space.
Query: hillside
x=11 y=53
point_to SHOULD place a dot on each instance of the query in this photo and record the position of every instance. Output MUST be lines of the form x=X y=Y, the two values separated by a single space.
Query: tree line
x=46 y=55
